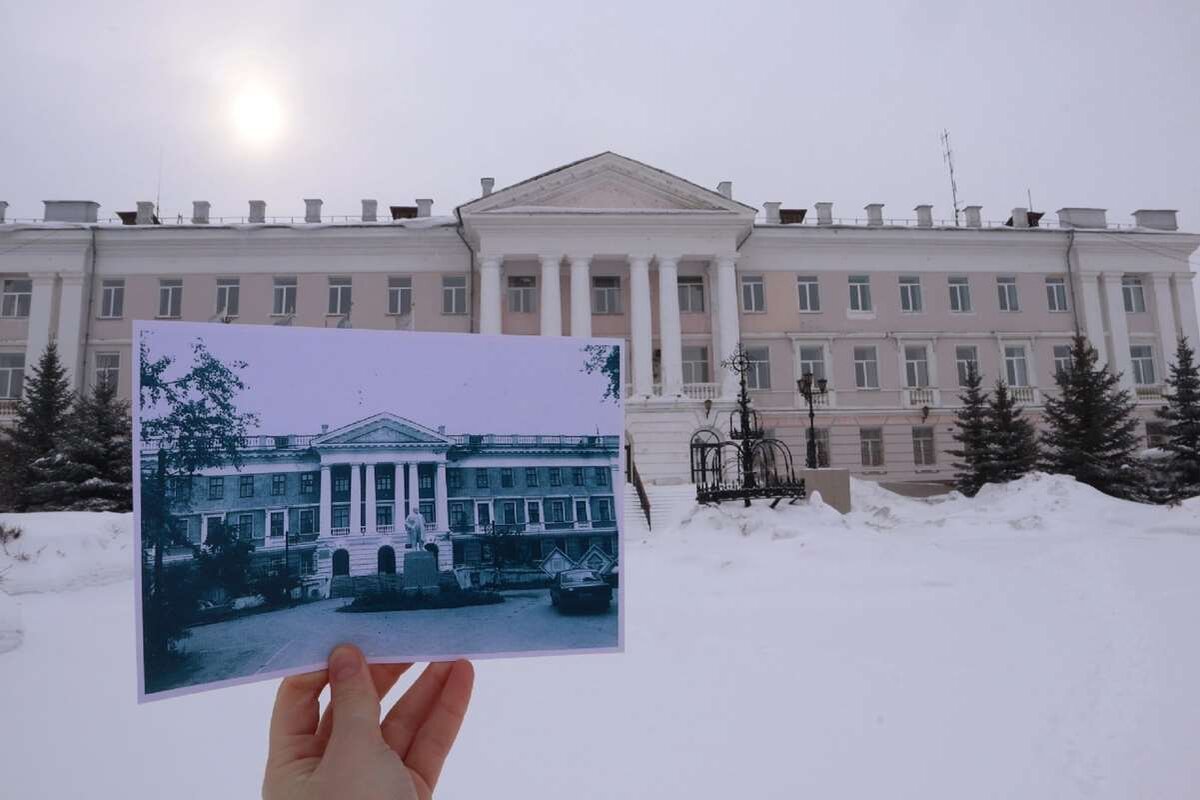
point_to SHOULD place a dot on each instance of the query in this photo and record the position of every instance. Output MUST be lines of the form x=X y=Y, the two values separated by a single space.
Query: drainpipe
x=87 y=320
x=1071 y=280
x=470 y=272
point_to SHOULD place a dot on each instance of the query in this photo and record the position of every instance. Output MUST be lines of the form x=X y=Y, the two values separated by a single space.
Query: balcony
x=919 y=396
x=691 y=391
x=1025 y=395
x=339 y=531
x=385 y=528
x=1149 y=393
x=302 y=538
x=8 y=409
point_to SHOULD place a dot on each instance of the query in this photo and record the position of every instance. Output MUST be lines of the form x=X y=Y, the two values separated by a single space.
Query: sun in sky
x=257 y=115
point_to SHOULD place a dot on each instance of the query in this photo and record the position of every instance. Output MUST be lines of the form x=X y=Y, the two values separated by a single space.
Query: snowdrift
x=10 y=624
x=60 y=550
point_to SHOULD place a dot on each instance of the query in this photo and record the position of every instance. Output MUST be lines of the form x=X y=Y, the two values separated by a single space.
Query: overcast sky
x=1088 y=103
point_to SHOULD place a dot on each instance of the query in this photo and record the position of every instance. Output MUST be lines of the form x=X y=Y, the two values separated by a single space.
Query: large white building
x=889 y=310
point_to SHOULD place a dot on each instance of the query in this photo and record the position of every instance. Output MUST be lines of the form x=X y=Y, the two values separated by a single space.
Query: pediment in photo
x=382 y=429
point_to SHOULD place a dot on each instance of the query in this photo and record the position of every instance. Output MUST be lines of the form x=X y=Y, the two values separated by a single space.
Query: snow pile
x=60 y=550
x=10 y=623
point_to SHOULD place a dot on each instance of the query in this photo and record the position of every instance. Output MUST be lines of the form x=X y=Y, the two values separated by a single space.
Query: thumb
x=353 y=697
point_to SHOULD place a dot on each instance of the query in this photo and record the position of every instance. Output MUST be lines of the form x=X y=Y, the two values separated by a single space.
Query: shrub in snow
x=1012 y=447
x=1181 y=417
x=8 y=533
x=972 y=469
x=37 y=429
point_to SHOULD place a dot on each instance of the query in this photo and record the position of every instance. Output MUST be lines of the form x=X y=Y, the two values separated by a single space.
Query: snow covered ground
x=1038 y=641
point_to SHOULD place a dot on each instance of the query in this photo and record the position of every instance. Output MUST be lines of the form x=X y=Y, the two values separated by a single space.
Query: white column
x=70 y=315
x=1093 y=317
x=369 y=514
x=40 y=303
x=551 y=297
x=581 y=296
x=1185 y=298
x=489 y=296
x=441 y=499
x=670 y=338
x=414 y=487
x=325 y=520
x=355 y=499
x=728 y=305
x=1164 y=312
x=1118 y=329
x=639 y=325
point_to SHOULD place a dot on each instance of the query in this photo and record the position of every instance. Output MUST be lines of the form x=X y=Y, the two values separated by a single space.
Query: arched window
x=387 y=560
x=341 y=562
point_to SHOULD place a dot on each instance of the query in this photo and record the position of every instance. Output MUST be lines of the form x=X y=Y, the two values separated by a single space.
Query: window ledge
x=811 y=311
x=852 y=314
x=104 y=317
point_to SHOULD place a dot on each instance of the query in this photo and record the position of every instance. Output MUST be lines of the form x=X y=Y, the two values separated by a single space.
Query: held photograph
x=424 y=496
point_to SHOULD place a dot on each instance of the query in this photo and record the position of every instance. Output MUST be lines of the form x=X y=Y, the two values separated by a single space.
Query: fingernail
x=344 y=663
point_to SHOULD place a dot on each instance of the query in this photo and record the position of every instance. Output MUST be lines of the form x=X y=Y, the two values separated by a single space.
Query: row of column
x=721 y=276
x=70 y=315
x=368 y=525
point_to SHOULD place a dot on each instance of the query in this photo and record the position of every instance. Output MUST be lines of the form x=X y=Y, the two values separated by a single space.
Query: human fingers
x=440 y=728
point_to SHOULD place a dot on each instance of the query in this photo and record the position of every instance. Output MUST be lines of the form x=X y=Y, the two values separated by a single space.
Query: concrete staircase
x=667 y=505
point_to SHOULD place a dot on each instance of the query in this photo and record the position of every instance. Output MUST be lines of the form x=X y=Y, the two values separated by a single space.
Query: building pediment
x=381 y=429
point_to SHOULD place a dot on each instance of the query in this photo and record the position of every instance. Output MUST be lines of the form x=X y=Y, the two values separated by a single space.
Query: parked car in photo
x=579 y=589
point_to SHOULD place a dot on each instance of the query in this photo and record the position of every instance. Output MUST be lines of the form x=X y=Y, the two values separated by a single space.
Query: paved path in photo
x=304 y=635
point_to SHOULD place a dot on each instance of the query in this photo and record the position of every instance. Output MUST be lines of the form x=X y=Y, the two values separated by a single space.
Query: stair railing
x=636 y=480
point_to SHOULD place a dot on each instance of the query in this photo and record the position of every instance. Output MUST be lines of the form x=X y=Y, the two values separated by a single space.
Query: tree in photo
x=605 y=359
x=1092 y=433
x=1012 y=442
x=37 y=430
x=225 y=560
x=973 y=467
x=192 y=421
x=1181 y=418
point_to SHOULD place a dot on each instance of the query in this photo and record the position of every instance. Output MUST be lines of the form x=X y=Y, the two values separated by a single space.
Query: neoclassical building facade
x=889 y=311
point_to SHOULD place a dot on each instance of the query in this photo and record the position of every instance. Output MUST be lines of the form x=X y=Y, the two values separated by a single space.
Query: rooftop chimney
x=145 y=212
x=972 y=216
x=487 y=184
x=725 y=189
x=874 y=214
x=924 y=216
x=70 y=210
x=424 y=206
x=403 y=212
x=3 y=209
x=370 y=211
x=324 y=428
x=1082 y=218
x=824 y=213
x=792 y=216
x=312 y=209
x=258 y=211
x=772 y=212
x=1020 y=218
x=1157 y=219
x=200 y=212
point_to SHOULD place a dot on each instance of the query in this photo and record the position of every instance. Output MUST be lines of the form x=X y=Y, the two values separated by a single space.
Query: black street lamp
x=810 y=392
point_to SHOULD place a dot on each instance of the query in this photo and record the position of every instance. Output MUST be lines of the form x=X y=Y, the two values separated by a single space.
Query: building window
x=245 y=527
x=1062 y=359
x=966 y=356
x=522 y=293
x=691 y=294
x=910 y=294
x=871 y=442
x=424 y=480
x=812 y=361
x=339 y=517
x=506 y=477
x=916 y=366
x=308 y=521
x=18 y=295
x=1134 y=294
x=112 y=300
x=399 y=295
x=1006 y=290
x=276 y=524
x=577 y=476
x=556 y=511
x=180 y=488
x=170 y=298
x=12 y=375
x=459 y=520
x=340 y=295
x=754 y=297
x=531 y=476
x=809 y=293
x=308 y=482
x=960 y=294
x=555 y=476
x=1142 y=356
x=383 y=515
x=821 y=436
x=283 y=297
x=758 y=376
x=108 y=369
x=866 y=368
x=279 y=484
x=533 y=512
x=606 y=294
x=1056 y=294
x=924 y=453
x=454 y=481
x=581 y=510
x=601 y=475
x=246 y=486
x=1156 y=434
x=216 y=488
x=695 y=364
x=454 y=294
x=1015 y=368
x=426 y=507
x=481 y=478
x=341 y=483
x=384 y=484
x=860 y=293
x=228 y=290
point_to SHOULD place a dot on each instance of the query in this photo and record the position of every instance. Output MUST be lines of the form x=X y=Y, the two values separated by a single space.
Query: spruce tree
x=41 y=414
x=1092 y=433
x=1012 y=440
x=973 y=468
x=1181 y=416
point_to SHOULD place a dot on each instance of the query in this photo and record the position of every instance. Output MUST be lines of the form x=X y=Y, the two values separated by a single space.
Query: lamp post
x=810 y=391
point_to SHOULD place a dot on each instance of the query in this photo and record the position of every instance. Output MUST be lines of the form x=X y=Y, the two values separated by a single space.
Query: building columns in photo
x=489 y=295
x=551 y=299
x=1118 y=330
x=1093 y=316
x=441 y=499
x=414 y=489
x=41 y=304
x=670 y=338
x=70 y=315
x=355 y=499
x=639 y=325
x=1164 y=312
x=325 y=521
x=369 y=511
x=581 y=298
x=727 y=326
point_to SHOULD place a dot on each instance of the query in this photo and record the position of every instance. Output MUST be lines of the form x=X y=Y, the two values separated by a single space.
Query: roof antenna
x=158 y=189
x=948 y=157
x=1029 y=197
